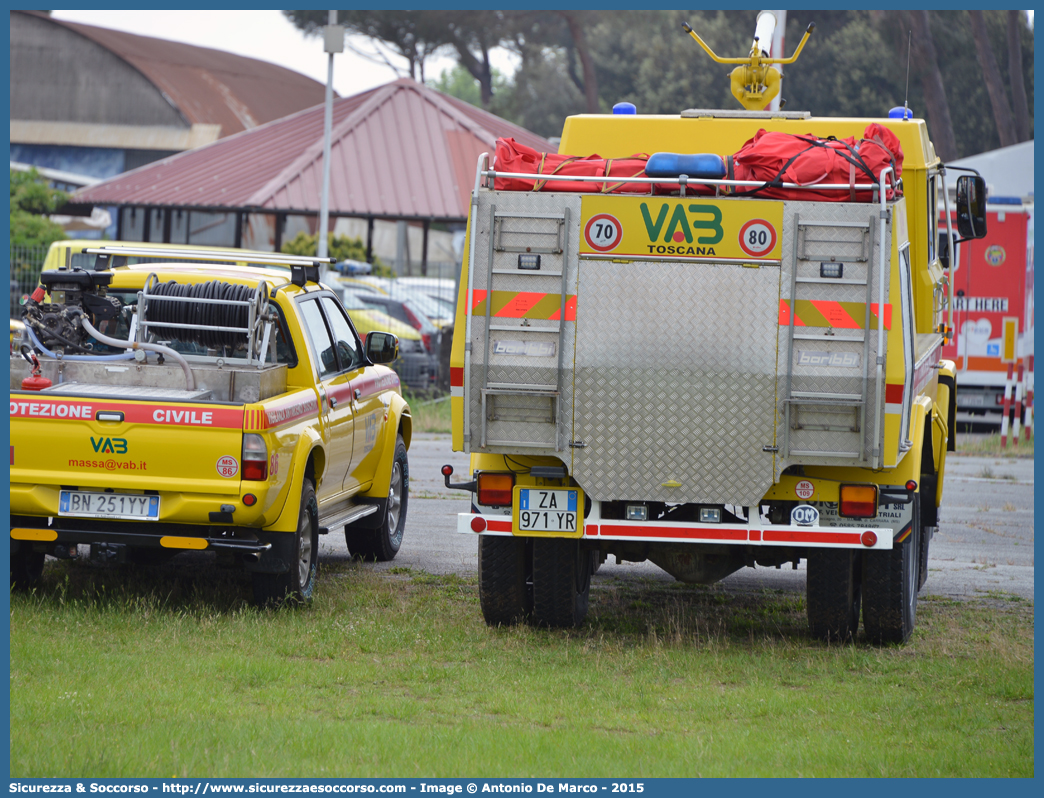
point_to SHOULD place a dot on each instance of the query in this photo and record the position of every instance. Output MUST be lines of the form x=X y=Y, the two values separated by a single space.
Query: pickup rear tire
x=890 y=584
x=833 y=594
x=561 y=582
x=26 y=565
x=297 y=585
x=383 y=543
x=504 y=567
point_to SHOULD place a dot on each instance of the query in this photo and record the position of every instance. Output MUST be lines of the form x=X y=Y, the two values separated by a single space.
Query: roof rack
x=244 y=256
x=485 y=176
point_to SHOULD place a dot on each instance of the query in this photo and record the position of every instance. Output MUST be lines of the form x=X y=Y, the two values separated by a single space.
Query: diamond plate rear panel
x=675 y=381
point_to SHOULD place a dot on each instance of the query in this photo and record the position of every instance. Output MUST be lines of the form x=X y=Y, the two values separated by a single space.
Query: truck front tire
x=890 y=583
x=383 y=543
x=297 y=584
x=833 y=594
x=561 y=582
x=504 y=566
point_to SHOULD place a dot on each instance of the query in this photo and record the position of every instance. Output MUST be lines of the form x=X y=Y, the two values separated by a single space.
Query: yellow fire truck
x=708 y=372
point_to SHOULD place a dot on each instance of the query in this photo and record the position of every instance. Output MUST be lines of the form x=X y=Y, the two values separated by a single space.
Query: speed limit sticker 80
x=603 y=232
x=757 y=238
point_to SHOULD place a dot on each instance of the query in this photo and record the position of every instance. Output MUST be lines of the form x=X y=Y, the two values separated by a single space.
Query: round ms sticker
x=227 y=466
x=804 y=489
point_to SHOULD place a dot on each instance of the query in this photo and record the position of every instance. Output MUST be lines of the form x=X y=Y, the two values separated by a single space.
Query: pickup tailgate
x=126 y=445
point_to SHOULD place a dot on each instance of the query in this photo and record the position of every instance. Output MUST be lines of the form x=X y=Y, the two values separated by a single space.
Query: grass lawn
x=429 y=415
x=169 y=672
x=990 y=445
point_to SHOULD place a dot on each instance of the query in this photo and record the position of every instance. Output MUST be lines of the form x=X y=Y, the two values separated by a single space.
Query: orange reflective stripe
x=523 y=305
x=839 y=315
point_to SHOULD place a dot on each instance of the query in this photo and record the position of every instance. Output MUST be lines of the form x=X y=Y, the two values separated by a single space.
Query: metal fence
x=26 y=265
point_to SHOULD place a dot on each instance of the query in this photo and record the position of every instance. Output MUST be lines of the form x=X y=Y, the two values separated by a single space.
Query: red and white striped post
x=1029 y=400
x=1018 y=409
x=1007 y=407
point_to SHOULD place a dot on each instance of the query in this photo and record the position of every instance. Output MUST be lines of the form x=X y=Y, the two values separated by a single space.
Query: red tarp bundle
x=514 y=157
x=808 y=161
x=768 y=158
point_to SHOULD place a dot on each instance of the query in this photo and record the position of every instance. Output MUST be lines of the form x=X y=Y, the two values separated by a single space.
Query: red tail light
x=255 y=458
x=494 y=490
x=426 y=339
x=858 y=501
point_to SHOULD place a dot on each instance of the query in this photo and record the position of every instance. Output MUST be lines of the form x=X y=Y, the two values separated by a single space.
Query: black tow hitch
x=447 y=472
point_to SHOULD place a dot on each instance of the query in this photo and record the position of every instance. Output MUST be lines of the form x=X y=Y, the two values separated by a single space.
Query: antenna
x=909 y=47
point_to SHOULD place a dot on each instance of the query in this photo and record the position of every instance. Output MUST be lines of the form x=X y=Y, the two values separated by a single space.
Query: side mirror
x=944 y=250
x=971 y=206
x=381 y=347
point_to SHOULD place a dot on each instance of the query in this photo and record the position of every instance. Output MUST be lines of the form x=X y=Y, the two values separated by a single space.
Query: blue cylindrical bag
x=672 y=164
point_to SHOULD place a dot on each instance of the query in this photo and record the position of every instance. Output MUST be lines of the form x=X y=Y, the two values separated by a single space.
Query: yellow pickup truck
x=159 y=407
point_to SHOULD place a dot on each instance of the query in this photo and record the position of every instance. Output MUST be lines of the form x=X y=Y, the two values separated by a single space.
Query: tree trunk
x=480 y=70
x=994 y=85
x=576 y=30
x=937 y=108
x=1018 y=85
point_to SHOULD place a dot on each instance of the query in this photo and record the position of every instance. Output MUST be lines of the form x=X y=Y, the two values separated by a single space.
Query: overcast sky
x=265 y=35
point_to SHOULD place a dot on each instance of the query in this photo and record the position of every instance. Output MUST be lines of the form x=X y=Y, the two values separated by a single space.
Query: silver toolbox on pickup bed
x=131 y=380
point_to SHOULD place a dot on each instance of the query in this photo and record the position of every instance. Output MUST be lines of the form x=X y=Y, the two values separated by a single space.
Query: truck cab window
x=320 y=338
x=347 y=343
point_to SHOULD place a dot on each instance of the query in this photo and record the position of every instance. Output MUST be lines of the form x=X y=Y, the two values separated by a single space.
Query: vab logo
x=995 y=255
x=109 y=445
x=680 y=225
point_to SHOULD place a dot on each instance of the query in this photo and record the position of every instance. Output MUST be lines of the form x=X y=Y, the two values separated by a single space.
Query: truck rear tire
x=890 y=580
x=383 y=543
x=561 y=582
x=26 y=565
x=504 y=567
x=296 y=585
x=833 y=594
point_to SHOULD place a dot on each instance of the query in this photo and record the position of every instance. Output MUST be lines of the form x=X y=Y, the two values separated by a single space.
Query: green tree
x=340 y=247
x=31 y=199
x=458 y=82
x=412 y=35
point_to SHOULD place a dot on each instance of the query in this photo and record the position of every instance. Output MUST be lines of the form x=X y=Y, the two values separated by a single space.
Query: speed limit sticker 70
x=603 y=232
x=757 y=238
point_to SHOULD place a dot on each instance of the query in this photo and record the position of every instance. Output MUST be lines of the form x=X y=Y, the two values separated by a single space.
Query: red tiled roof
x=210 y=86
x=400 y=150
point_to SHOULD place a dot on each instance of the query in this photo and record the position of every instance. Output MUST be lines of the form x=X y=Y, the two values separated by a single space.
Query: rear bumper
x=836 y=537
x=270 y=552
x=139 y=536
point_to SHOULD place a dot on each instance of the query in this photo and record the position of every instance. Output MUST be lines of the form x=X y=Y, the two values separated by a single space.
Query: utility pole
x=333 y=40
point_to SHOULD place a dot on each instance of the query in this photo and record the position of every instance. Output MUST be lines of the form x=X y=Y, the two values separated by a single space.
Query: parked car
x=440 y=289
x=414 y=364
x=406 y=312
x=350 y=267
x=396 y=289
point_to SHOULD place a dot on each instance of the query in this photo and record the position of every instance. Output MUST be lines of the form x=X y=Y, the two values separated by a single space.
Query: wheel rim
x=304 y=552
x=395 y=501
